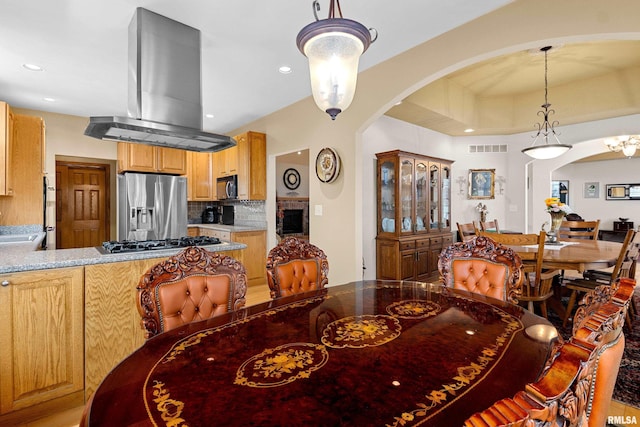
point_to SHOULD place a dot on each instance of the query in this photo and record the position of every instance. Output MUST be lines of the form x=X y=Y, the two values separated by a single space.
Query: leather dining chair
x=624 y=267
x=537 y=286
x=490 y=226
x=192 y=285
x=467 y=231
x=482 y=266
x=576 y=387
x=295 y=266
x=579 y=230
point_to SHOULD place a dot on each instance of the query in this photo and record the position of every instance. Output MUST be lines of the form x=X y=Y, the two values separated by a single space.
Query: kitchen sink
x=30 y=241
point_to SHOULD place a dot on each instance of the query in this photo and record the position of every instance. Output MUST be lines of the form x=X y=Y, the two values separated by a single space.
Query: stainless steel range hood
x=165 y=97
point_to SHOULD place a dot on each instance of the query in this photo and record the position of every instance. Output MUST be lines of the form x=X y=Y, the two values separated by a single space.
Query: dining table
x=371 y=352
x=572 y=254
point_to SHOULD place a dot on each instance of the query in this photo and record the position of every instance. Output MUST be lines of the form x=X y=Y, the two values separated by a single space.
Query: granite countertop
x=230 y=228
x=12 y=261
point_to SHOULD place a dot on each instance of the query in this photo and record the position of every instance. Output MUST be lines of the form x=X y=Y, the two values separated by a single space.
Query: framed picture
x=482 y=183
x=560 y=189
x=591 y=190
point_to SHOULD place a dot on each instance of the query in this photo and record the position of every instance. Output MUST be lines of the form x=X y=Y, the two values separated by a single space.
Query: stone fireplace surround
x=292 y=203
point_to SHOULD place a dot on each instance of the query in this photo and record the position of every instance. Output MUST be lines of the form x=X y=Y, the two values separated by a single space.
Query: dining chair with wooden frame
x=577 y=386
x=193 y=285
x=294 y=266
x=467 y=231
x=579 y=230
x=482 y=266
x=537 y=286
x=624 y=267
x=490 y=226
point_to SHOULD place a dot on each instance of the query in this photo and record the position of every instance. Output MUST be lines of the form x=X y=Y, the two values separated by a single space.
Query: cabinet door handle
x=5 y=283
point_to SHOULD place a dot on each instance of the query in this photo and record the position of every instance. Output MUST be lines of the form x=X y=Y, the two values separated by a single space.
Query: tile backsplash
x=247 y=212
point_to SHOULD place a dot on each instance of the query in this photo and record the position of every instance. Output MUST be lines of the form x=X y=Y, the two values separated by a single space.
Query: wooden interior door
x=82 y=204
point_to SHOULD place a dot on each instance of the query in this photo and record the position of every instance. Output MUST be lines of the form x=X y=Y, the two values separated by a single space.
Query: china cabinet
x=414 y=214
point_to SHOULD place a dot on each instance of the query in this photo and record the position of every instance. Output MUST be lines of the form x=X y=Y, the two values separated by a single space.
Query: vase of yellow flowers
x=557 y=210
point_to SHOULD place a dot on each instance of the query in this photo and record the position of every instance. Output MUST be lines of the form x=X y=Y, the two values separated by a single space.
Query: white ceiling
x=82 y=46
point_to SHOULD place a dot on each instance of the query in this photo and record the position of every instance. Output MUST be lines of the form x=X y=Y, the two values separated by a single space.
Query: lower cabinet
x=41 y=343
x=409 y=258
x=254 y=257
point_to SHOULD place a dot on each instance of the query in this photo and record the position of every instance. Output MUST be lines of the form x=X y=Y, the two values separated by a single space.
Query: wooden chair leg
x=543 y=309
x=572 y=301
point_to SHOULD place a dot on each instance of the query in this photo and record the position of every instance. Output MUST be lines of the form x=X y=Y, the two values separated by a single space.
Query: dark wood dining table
x=388 y=353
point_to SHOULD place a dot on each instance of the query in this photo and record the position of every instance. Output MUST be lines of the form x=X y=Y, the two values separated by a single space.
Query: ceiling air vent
x=488 y=148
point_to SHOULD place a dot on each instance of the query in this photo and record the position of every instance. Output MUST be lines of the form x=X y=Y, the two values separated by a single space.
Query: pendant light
x=627 y=144
x=546 y=129
x=333 y=47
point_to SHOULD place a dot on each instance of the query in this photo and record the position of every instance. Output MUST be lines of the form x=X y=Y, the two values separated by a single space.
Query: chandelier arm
x=316 y=9
x=375 y=34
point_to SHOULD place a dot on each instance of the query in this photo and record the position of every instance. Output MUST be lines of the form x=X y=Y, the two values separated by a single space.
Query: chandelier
x=627 y=144
x=548 y=150
x=333 y=47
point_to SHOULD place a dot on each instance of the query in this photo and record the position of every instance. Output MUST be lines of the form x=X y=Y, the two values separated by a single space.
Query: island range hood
x=165 y=97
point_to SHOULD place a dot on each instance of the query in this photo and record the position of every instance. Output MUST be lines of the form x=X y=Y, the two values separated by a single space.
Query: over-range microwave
x=227 y=187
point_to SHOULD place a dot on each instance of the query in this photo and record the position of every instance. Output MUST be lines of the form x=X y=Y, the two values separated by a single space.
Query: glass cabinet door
x=406 y=196
x=434 y=196
x=445 y=175
x=387 y=197
x=422 y=192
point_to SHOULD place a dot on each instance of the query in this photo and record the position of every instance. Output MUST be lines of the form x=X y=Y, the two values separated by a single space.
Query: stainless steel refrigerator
x=151 y=206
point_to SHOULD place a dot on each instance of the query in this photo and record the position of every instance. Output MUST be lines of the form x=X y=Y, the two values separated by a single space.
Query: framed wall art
x=482 y=183
x=591 y=190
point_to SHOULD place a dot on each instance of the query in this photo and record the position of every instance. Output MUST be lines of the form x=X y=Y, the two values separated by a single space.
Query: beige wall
x=515 y=27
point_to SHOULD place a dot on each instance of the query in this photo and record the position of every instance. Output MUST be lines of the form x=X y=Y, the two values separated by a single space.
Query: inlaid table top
x=388 y=353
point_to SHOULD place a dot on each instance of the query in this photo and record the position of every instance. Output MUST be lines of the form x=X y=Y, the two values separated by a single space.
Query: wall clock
x=291 y=179
x=327 y=165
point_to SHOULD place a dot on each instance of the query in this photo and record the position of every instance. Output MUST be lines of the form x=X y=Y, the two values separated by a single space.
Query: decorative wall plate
x=327 y=165
x=291 y=179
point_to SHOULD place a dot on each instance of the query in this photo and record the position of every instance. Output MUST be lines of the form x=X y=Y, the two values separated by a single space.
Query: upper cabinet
x=148 y=158
x=6 y=188
x=250 y=158
x=201 y=182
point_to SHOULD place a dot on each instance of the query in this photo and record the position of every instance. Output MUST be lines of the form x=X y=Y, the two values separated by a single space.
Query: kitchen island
x=69 y=317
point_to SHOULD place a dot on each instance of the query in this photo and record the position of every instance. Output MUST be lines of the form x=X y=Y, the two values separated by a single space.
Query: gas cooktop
x=114 y=247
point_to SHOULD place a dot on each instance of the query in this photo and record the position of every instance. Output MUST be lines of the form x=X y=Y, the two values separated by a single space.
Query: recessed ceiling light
x=469 y=130
x=285 y=69
x=49 y=99
x=33 y=67
x=398 y=103
x=209 y=116
x=299 y=153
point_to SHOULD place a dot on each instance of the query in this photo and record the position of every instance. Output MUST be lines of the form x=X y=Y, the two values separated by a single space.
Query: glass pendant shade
x=625 y=143
x=629 y=150
x=333 y=47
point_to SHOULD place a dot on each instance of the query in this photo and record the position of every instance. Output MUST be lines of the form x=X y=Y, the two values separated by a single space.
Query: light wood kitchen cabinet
x=25 y=205
x=201 y=183
x=254 y=257
x=226 y=162
x=414 y=215
x=247 y=160
x=148 y=158
x=41 y=342
x=6 y=117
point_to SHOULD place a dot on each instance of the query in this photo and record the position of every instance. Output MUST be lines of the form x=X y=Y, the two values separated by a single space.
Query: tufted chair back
x=482 y=266
x=193 y=285
x=296 y=266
